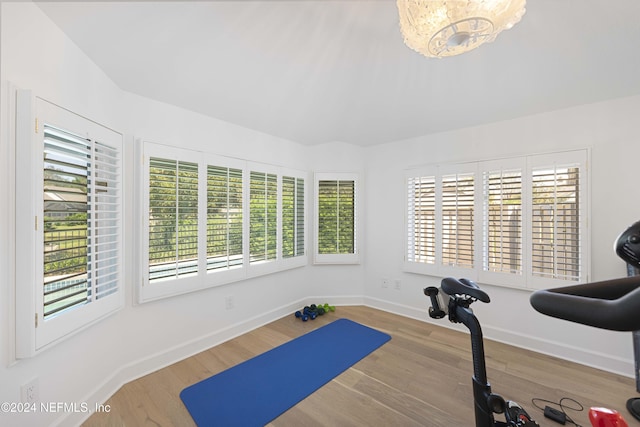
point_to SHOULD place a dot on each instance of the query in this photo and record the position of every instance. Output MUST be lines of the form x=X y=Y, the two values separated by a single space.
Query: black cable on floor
x=560 y=404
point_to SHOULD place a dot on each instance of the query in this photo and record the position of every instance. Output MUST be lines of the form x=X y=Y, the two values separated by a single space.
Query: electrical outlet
x=397 y=284
x=30 y=392
x=229 y=302
x=385 y=283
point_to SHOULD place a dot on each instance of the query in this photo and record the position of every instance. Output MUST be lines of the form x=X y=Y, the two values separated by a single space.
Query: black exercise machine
x=454 y=300
x=609 y=304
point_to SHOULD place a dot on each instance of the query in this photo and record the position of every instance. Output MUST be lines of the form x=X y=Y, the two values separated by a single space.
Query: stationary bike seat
x=609 y=304
x=452 y=286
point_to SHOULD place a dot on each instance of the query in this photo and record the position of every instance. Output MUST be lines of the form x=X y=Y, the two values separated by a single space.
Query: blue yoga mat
x=257 y=391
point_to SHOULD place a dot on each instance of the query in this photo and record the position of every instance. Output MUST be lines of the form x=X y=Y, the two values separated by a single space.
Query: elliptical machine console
x=454 y=299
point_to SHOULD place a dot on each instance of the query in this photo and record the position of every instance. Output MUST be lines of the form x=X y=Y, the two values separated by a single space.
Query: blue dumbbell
x=303 y=316
x=310 y=312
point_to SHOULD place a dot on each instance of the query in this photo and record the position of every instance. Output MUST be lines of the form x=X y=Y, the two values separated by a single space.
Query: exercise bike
x=454 y=299
x=609 y=304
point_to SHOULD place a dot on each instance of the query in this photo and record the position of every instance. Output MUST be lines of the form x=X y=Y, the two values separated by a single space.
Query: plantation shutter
x=421 y=212
x=263 y=222
x=524 y=224
x=503 y=221
x=213 y=220
x=66 y=224
x=105 y=226
x=457 y=220
x=81 y=205
x=224 y=218
x=336 y=217
x=300 y=218
x=173 y=219
x=292 y=216
x=556 y=237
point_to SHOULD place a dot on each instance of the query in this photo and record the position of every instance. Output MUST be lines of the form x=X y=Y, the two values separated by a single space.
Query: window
x=72 y=257
x=502 y=226
x=421 y=217
x=292 y=225
x=210 y=220
x=458 y=201
x=516 y=222
x=263 y=211
x=224 y=218
x=336 y=221
x=555 y=218
x=173 y=219
x=293 y=217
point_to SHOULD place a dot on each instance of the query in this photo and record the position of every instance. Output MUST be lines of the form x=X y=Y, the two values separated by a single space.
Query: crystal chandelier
x=439 y=28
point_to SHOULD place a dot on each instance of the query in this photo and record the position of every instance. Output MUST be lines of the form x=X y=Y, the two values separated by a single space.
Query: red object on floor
x=604 y=417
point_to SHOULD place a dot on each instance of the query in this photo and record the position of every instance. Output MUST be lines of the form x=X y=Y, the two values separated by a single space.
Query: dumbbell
x=303 y=316
x=328 y=308
x=312 y=313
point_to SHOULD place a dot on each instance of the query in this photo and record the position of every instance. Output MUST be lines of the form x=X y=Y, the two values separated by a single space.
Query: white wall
x=343 y=281
x=142 y=338
x=610 y=129
x=33 y=62
x=36 y=55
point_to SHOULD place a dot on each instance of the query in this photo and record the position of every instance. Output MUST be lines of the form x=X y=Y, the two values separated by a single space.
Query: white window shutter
x=458 y=213
x=173 y=219
x=421 y=219
x=502 y=221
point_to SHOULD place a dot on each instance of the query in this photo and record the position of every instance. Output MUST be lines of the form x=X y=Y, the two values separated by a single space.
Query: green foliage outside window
x=336 y=217
x=263 y=210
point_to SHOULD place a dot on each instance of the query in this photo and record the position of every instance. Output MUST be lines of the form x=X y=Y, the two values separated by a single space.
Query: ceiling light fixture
x=439 y=28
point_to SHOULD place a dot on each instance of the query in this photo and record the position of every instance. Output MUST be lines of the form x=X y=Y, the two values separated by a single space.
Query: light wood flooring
x=422 y=377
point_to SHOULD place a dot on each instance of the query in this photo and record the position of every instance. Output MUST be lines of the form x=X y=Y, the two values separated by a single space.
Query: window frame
x=267 y=266
x=526 y=164
x=299 y=246
x=204 y=278
x=220 y=277
x=345 y=258
x=416 y=253
x=562 y=159
x=150 y=291
x=34 y=332
x=465 y=169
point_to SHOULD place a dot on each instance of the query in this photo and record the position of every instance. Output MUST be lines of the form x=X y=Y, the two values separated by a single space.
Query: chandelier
x=439 y=28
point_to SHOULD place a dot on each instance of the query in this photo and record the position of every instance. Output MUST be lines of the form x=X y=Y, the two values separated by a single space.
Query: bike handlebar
x=609 y=304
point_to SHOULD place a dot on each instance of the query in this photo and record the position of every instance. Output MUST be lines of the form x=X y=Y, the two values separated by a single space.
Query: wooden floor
x=422 y=377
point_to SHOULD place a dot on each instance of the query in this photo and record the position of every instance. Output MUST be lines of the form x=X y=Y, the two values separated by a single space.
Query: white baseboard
x=605 y=362
x=594 y=359
x=159 y=360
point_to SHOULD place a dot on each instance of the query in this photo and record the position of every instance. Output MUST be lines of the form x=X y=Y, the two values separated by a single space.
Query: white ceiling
x=325 y=71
